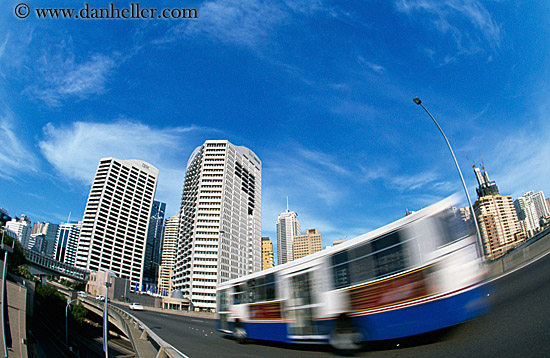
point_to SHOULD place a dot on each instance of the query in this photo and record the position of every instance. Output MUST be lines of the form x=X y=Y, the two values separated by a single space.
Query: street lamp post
x=480 y=243
x=66 y=324
x=106 y=320
x=6 y=249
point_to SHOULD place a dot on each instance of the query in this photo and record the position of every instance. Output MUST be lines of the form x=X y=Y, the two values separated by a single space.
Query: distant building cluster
x=291 y=244
x=505 y=224
x=216 y=235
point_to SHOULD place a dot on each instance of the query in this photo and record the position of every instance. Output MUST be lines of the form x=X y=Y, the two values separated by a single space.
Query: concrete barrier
x=533 y=249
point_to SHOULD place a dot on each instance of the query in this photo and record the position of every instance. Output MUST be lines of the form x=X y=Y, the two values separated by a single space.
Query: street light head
x=417 y=100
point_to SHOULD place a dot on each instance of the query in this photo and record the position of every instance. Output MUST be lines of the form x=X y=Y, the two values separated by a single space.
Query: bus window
x=361 y=265
x=240 y=295
x=261 y=289
x=251 y=291
x=340 y=269
x=453 y=226
x=270 y=287
x=390 y=256
x=222 y=301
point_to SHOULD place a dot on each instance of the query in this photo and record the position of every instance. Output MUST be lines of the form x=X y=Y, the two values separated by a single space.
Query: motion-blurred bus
x=418 y=274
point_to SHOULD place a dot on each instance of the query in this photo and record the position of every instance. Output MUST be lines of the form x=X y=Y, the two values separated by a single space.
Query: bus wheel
x=239 y=333
x=345 y=339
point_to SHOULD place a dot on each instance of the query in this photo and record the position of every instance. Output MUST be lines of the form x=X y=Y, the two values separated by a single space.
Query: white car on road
x=136 y=307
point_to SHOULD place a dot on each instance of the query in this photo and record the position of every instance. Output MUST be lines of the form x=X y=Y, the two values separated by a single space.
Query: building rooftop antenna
x=287 y=204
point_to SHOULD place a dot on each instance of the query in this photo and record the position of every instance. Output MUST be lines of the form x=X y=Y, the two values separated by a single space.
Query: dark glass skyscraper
x=153 y=244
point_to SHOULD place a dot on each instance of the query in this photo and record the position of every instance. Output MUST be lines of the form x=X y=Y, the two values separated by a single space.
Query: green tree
x=17 y=257
x=79 y=312
x=51 y=303
x=23 y=271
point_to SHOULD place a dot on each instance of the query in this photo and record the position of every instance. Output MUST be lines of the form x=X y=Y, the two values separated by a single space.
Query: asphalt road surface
x=518 y=325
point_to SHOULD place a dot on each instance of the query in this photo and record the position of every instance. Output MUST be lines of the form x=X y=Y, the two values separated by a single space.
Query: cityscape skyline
x=330 y=113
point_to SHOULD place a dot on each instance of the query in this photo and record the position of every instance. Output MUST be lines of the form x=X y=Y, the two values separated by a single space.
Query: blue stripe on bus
x=425 y=317
x=272 y=331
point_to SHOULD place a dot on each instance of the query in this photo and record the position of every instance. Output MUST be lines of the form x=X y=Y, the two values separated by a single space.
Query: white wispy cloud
x=250 y=23
x=420 y=182
x=3 y=46
x=318 y=158
x=467 y=22
x=520 y=162
x=373 y=66
x=15 y=157
x=74 y=151
x=61 y=77
x=354 y=110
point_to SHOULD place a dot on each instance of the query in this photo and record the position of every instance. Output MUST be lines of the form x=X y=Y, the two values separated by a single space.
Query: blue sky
x=321 y=91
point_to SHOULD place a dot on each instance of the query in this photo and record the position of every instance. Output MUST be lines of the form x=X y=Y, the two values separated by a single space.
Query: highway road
x=518 y=325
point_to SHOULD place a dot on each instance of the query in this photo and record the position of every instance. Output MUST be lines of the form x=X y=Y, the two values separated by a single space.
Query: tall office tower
x=21 y=228
x=288 y=227
x=307 y=244
x=219 y=234
x=268 y=259
x=154 y=243
x=168 y=254
x=66 y=242
x=497 y=219
x=49 y=231
x=548 y=203
x=116 y=218
x=527 y=214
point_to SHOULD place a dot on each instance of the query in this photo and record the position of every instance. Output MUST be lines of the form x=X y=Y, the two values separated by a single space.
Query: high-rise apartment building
x=268 y=259
x=307 y=244
x=531 y=208
x=527 y=214
x=219 y=234
x=497 y=219
x=116 y=218
x=288 y=227
x=168 y=254
x=21 y=228
x=66 y=242
x=154 y=243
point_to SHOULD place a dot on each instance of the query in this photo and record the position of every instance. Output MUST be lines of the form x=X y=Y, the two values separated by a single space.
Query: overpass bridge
x=44 y=265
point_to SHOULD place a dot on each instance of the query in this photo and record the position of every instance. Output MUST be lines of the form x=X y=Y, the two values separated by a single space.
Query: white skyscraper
x=219 y=234
x=21 y=228
x=116 y=218
x=288 y=227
